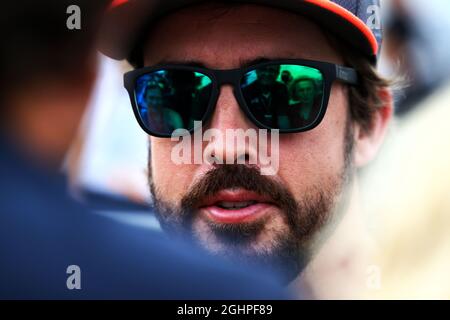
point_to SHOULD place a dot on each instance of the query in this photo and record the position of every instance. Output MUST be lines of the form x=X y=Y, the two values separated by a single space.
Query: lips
x=235 y=207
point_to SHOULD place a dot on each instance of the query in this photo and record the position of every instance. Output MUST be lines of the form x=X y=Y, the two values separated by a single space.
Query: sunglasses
x=288 y=95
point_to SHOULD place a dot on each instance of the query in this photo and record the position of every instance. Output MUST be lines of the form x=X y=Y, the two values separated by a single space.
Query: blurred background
x=107 y=163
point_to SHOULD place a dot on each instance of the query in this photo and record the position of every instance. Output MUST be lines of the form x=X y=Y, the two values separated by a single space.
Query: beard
x=287 y=250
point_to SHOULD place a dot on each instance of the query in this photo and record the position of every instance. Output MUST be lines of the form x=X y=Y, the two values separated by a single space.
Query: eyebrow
x=195 y=63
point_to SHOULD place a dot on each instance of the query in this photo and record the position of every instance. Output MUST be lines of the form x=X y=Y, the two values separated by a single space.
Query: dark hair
x=38 y=44
x=364 y=98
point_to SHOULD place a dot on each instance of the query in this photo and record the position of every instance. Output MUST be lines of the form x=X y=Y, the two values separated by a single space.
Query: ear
x=368 y=142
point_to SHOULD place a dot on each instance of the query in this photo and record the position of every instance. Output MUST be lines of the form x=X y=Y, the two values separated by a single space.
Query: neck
x=339 y=269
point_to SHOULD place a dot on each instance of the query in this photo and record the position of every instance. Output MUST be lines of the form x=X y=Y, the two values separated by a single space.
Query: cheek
x=312 y=158
x=170 y=179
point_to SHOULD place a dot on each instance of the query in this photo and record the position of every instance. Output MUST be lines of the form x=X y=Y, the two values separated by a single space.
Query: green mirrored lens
x=285 y=97
x=168 y=100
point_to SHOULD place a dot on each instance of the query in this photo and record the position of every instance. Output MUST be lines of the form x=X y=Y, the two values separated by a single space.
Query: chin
x=266 y=243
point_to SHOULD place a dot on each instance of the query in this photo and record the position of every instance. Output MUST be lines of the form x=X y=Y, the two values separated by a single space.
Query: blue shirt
x=43 y=232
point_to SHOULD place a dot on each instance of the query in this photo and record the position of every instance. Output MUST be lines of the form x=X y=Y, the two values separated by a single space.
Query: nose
x=234 y=138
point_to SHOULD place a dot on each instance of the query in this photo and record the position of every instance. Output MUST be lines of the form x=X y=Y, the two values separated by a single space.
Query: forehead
x=224 y=37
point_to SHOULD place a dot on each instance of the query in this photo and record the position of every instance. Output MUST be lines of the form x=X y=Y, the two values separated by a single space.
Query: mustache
x=303 y=217
x=239 y=176
x=232 y=177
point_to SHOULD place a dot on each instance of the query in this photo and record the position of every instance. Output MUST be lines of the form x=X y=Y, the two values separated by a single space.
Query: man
x=286 y=77
x=50 y=246
x=298 y=217
x=304 y=100
x=267 y=96
x=161 y=117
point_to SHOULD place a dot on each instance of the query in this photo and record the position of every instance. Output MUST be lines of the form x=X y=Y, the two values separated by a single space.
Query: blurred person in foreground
x=408 y=194
x=51 y=247
x=305 y=218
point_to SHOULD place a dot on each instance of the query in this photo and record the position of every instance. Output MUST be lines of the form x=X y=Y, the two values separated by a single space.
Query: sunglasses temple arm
x=347 y=75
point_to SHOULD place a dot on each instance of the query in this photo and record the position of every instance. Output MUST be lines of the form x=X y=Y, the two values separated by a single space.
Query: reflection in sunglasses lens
x=168 y=100
x=284 y=97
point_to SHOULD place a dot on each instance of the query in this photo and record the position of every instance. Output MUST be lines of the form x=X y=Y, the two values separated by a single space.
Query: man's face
x=153 y=96
x=232 y=209
x=268 y=76
x=305 y=91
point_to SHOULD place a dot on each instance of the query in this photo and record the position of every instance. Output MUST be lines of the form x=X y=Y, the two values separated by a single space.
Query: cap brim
x=126 y=19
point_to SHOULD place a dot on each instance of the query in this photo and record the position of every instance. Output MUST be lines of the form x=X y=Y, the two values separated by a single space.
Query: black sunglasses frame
x=331 y=73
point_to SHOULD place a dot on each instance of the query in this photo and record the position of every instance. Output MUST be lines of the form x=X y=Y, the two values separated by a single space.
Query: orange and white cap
x=357 y=21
